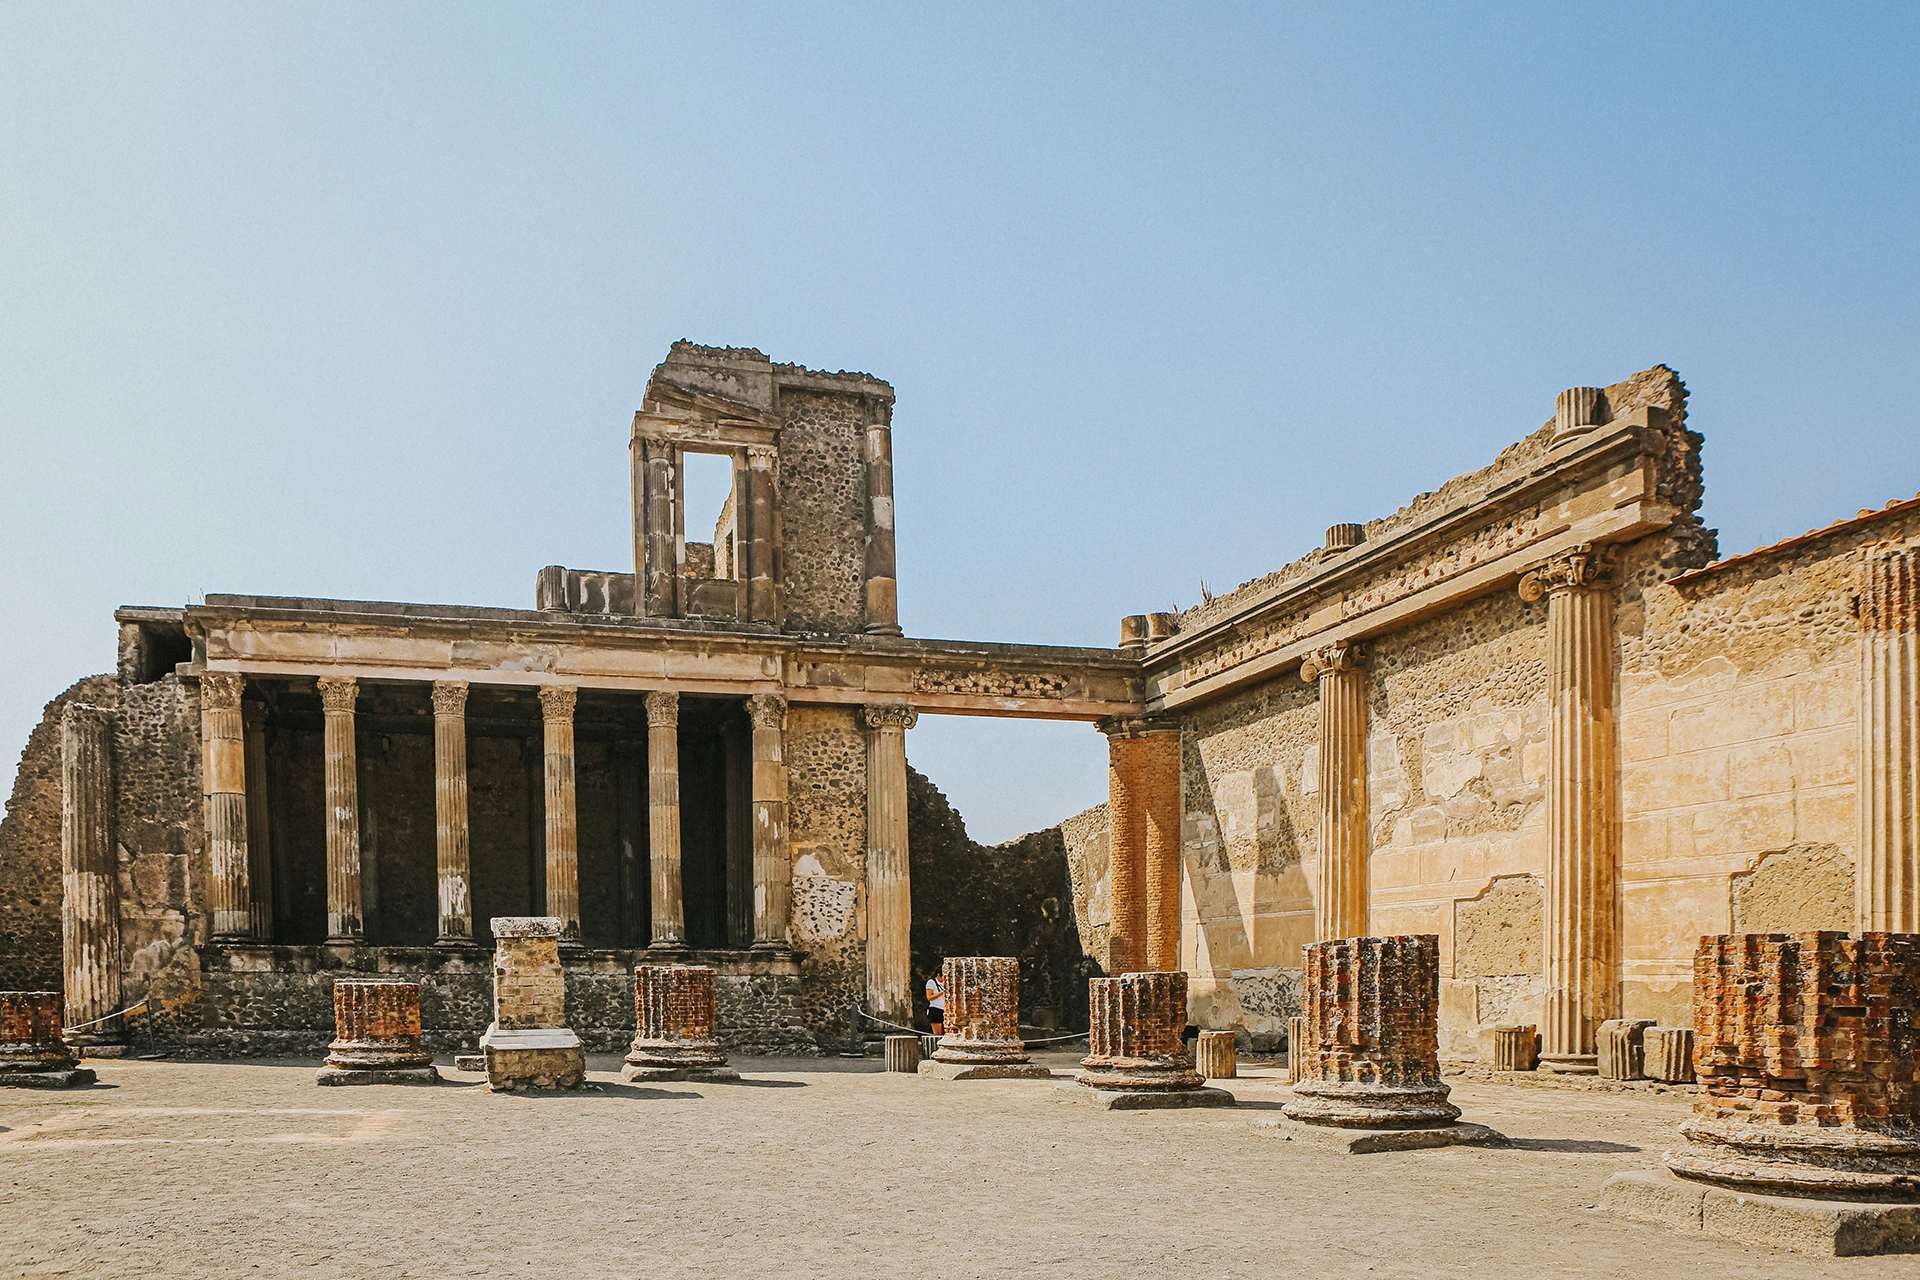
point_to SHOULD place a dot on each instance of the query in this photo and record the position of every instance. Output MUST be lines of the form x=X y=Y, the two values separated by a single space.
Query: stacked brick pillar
x=676 y=1012
x=1143 y=806
x=377 y=1035
x=529 y=1042
x=33 y=1051
x=982 y=1036
x=1136 y=1039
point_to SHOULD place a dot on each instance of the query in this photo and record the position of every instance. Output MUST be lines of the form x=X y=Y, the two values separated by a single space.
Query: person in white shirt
x=937 y=1004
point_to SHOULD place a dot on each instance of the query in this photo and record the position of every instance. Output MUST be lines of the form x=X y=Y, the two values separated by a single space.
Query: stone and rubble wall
x=823 y=511
x=826 y=757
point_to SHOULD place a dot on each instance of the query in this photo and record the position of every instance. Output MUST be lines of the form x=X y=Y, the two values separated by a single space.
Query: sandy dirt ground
x=809 y=1168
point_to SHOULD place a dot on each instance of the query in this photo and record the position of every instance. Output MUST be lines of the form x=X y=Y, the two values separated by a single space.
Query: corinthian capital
x=220 y=690
x=1331 y=659
x=1580 y=568
x=889 y=715
x=338 y=693
x=449 y=697
x=663 y=709
x=556 y=701
x=767 y=711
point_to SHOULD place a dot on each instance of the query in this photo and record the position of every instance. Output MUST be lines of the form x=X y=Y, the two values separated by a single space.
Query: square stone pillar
x=889 y=894
x=529 y=1043
x=1340 y=905
x=90 y=874
x=663 y=820
x=1887 y=885
x=452 y=854
x=260 y=878
x=344 y=923
x=772 y=859
x=224 y=765
x=563 y=840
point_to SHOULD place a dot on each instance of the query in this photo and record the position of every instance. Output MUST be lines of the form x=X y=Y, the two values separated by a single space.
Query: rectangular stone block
x=1511 y=1048
x=1622 y=1048
x=1669 y=1054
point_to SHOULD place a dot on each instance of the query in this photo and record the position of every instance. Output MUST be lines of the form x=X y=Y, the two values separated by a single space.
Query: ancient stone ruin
x=982 y=1033
x=675 y=1014
x=33 y=1052
x=1137 y=1059
x=377 y=1035
x=529 y=1044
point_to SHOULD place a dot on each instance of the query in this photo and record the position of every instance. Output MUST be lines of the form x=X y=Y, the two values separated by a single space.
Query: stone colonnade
x=239 y=893
x=1143 y=808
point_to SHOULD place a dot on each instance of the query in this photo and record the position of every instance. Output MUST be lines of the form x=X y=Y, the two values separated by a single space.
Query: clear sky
x=359 y=301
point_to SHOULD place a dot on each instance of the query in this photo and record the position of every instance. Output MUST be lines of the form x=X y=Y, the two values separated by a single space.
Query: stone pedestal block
x=903 y=1054
x=1808 y=1059
x=33 y=1053
x=1214 y=1057
x=1669 y=1054
x=1370 y=1055
x=1622 y=1048
x=376 y=1035
x=1296 y=1045
x=982 y=1028
x=1511 y=1048
x=675 y=1015
x=1825 y=1228
x=1137 y=1045
x=529 y=1043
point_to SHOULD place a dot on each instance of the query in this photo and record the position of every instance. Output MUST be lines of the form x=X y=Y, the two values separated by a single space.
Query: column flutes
x=90 y=875
x=1887 y=893
x=1341 y=897
x=337 y=696
x=452 y=856
x=1126 y=846
x=563 y=841
x=260 y=883
x=1582 y=843
x=663 y=820
x=772 y=866
x=1161 y=769
x=224 y=766
x=883 y=608
x=889 y=892
x=763 y=578
x=655 y=569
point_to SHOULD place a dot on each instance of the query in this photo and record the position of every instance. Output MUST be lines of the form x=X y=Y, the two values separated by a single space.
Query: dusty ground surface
x=808 y=1168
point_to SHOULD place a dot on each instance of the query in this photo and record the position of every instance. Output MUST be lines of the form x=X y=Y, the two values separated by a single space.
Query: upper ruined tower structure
x=804 y=541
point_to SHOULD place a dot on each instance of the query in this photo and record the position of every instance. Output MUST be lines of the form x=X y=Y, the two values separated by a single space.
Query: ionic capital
x=1332 y=659
x=767 y=711
x=556 y=701
x=663 y=709
x=338 y=693
x=889 y=715
x=220 y=690
x=449 y=697
x=1581 y=568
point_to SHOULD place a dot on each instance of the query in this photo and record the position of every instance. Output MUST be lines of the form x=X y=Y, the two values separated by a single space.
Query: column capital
x=220 y=690
x=767 y=711
x=1578 y=568
x=449 y=697
x=889 y=715
x=663 y=709
x=338 y=693
x=1890 y=597
x=557 y=701
x=253 y=713
x=1134 y=726
x=761 y=455
x=1331 y=659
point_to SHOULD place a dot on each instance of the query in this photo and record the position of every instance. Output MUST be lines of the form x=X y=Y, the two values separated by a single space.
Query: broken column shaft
x=33 y=1050
x=376 y=1035
x=981 y=1040
x=676 y=1014
x=1136 y=1040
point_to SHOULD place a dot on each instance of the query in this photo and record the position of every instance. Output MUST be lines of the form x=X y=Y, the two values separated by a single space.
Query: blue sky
x=358 y=301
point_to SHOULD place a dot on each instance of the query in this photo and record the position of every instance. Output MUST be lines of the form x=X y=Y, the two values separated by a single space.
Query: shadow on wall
x=1012 y=899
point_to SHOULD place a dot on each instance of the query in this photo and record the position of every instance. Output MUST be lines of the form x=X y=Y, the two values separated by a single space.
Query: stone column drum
x=1341 y=892
x=33 y=1053
x=1214 y=1056
x=529 y=1043
x=1669 y=1054
x=676 y=1013
x=90 y=881
x=982 y=1038
x=376 y=1035
x=1887 y=887
x=1372 y=1052
x=1138 y=1055
x=1807 y=1051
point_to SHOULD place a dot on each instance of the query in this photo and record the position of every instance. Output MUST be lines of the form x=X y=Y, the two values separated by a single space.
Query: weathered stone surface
x=376 y=1035
x=33 y=1052
x=1213 y=1056
x=1135 y=1041
x=1371 y=1055
x=1512 y=1048
x=529 y=1043
x=1825 y=1228
x=1669 y=1054
x=1621 y=1048
x=903 y=1054
x=983 y=1012
x=675 y=1013
x=1808 y=1058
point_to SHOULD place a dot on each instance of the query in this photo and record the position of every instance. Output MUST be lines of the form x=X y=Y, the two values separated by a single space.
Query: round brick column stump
x=376 y=1035
x=982 y=1037
x=33 y=1049
x=1138 y=1057
x=1370 y=1056
x=676 y=1013
x=1214 y=1057
x=1807 y=1052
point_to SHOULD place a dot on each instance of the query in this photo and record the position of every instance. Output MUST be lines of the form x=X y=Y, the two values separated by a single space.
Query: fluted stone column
x=772 y=860
x=337 y=696
x=1160 y=769
x=260 y=881
x=654 y=562
x=889 y=895
x=90 y=877
x=452 y=854
x=1340 y=900
x=1887 y=892
x=1582 y=840
x=563 y=839
x=223 y=739
x=1137 y=1053
x=663 y=820
x=883 y=609
x=1126 y=845
x=763 y=576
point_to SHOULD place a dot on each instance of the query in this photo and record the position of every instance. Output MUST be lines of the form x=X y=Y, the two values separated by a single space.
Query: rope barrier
x=1081 y=1035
